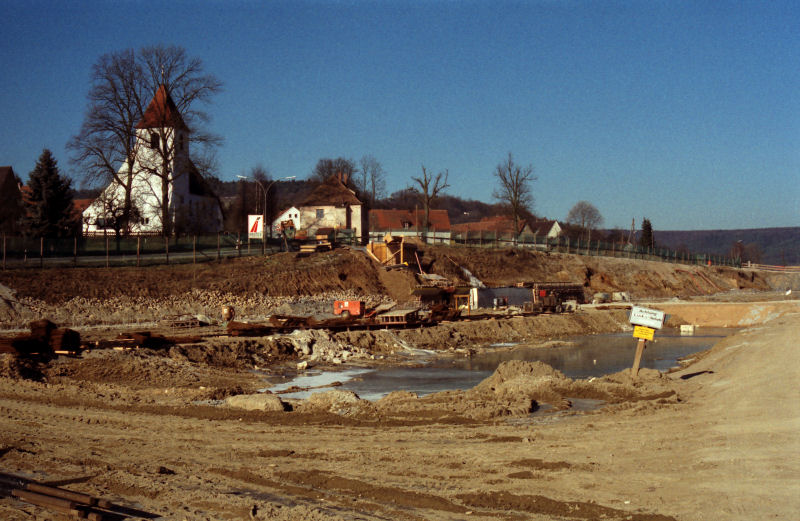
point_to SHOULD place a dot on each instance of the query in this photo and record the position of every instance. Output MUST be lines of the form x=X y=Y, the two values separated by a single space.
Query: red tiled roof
x=489 y=224
x=331 y=192
x=400 y=219
x=162 y=112
x=81 y=204
x=541 y=227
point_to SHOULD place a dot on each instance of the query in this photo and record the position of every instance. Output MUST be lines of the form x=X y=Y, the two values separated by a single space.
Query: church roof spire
x=162 y=112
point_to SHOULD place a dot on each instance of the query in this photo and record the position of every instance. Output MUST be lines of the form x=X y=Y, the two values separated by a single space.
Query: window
x=320 y=213
x=155 y=140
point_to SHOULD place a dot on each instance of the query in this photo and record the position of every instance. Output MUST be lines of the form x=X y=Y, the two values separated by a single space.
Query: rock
x=332 y=400
x=256 y=402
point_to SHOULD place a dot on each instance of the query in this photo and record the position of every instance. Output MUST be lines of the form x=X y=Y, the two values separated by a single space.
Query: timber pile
x=244 y=329
x=143 y=339
x=45 y=339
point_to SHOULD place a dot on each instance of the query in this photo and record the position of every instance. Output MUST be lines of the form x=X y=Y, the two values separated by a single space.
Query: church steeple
x=162 y=112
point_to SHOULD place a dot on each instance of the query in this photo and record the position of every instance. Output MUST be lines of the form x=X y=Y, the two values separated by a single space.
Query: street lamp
x=264 y=215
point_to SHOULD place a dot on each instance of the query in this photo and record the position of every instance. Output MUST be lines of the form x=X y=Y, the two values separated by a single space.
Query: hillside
x=259 y=286
x=779 y=246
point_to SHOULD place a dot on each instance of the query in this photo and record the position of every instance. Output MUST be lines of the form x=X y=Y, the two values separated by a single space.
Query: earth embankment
x=287 y=284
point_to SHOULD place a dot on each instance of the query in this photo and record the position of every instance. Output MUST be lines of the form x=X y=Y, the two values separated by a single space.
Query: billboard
x=255 y=226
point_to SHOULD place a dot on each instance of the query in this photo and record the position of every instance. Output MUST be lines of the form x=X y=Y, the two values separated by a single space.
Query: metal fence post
x=218 y=247
x=75 y=251
x=194 y=249
x=41 y=252
x=138 y=248
x=106 y=251
x=166 y=247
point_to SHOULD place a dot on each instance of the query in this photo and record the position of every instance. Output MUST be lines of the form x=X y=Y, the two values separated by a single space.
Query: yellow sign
x=645 y=333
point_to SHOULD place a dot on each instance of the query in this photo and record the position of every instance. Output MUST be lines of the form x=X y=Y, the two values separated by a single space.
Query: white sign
x=647 y=317
x=254 y=228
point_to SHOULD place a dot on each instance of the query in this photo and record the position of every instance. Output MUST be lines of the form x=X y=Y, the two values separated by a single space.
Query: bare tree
x=326 y=167
x=514 y=188
x=186 y=86
x=428 y=190
x=371 y=179
x=109 y=144
x=585 y=216
x=105 y=147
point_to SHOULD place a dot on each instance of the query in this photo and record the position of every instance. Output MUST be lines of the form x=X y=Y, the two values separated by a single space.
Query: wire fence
x=109 y=250
x=564 y=244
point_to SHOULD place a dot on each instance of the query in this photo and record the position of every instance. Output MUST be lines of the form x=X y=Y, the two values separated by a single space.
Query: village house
x=10 y=201
x=332 y=205
x=503 y=227
x=545 y=228
x=409 y=223
x=193 y=207
x=290 y=214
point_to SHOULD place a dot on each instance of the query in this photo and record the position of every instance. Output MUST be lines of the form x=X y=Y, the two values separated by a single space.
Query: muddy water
x=578 y=357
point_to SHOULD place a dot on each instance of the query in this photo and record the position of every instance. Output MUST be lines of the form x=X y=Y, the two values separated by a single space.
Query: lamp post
x=264 y=215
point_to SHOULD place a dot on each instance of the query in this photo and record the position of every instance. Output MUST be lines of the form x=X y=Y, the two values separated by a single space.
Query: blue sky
x=687 y=113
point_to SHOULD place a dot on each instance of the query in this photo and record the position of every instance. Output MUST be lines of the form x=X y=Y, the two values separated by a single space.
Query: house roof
x=197 y=184
x=81 y=204
x=162 y=112
x=542 y=227
x=497 y=224
x=331 y=192
x=8 y=183
x=397 y=219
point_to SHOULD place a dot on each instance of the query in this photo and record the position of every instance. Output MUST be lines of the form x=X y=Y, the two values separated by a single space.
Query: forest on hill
x=778 y=246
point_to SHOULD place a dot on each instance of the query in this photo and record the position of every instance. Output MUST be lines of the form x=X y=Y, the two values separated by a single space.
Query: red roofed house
x=332 y=205
x=545 y=228
x=10 y=201
x=503 y=227
x=408 y=223
x=192 y=205
x=498 y=225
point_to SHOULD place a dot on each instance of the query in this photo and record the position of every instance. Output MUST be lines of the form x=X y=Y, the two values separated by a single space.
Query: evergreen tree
x=646 y=238
x=49 y=205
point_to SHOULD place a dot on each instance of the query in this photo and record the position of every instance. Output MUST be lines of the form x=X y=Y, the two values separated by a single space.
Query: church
x=192 y=206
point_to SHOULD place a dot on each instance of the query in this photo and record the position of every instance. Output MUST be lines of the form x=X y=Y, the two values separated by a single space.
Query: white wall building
x=332 y=205
x=193 y=208
x=292 y=214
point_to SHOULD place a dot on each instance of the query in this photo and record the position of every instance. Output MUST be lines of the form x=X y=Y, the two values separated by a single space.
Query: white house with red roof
x=289 y=214
x=193 y=207
x=332 y=205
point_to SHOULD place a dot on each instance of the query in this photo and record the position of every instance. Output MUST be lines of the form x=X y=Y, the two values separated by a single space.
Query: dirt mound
x=14 y=367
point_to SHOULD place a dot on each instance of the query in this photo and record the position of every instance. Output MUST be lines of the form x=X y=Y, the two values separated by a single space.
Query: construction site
x=141 y=393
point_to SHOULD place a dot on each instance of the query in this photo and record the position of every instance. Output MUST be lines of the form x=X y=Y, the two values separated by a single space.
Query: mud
x=150 y=429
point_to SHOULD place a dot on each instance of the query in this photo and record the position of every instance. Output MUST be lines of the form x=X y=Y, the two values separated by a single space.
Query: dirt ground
x=178 y=433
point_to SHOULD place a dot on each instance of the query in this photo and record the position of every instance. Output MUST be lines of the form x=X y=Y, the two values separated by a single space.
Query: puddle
x=580 y=357
x=314 y=382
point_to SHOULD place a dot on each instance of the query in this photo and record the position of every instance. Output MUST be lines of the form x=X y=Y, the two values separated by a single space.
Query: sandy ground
x=155 y=431
x=718 y=444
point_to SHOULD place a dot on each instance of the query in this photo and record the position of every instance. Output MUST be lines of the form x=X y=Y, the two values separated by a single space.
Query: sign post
x=645 y=322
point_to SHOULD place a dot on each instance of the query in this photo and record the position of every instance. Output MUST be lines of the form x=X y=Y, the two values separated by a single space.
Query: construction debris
x=74 y=504
x=45 y=339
